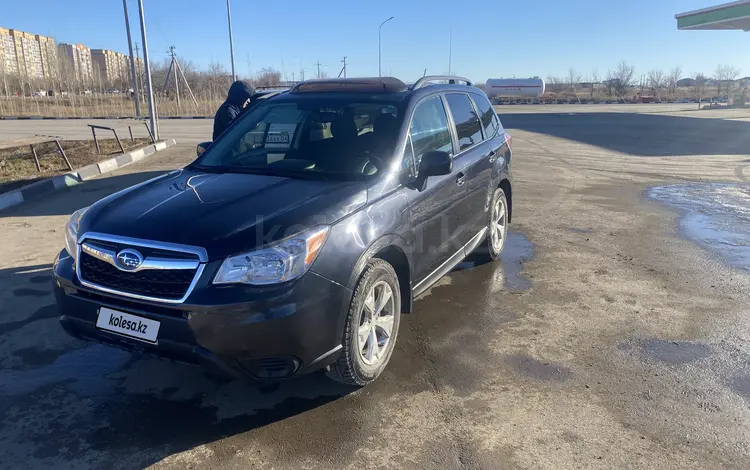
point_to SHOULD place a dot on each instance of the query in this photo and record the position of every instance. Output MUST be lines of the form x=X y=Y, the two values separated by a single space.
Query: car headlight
x=280 y=262
x=71 y=233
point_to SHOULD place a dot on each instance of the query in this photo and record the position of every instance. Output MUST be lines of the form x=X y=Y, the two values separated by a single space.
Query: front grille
x=168 y=284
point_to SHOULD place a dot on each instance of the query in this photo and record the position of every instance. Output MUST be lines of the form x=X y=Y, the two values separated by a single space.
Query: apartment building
x=75 y=62
x=110 y=65
x=31 y=55
x=8 y=61
x=28 y=54
x=48 y=52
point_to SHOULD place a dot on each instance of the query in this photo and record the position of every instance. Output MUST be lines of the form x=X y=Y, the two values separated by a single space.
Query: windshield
x=313 y=138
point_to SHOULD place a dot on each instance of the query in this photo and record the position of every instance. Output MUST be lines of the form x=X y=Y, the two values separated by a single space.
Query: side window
x=487 y=115
x=468 y=127
x=429 y=130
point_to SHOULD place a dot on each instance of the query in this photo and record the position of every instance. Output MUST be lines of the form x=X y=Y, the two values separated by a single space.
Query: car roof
x=378 y=88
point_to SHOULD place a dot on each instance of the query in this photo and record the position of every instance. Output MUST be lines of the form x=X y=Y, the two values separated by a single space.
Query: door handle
x=493 y=156
x=461 y=179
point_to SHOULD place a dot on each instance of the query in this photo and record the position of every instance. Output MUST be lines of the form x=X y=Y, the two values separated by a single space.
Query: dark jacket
x=239 y=92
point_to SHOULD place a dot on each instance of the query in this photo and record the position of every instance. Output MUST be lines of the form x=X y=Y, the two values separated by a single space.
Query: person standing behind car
x=237 y=99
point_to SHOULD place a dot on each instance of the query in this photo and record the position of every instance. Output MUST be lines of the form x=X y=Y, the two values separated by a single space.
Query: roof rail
x=434 y=78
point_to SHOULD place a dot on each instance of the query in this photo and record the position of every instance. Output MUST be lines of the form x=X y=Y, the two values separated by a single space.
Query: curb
x=48 y=118
x=34 y=190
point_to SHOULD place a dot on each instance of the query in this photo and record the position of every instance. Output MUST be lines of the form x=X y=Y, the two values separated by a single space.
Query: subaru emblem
x=129 y=260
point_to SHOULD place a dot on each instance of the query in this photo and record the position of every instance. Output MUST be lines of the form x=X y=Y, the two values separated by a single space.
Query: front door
x=439 y=222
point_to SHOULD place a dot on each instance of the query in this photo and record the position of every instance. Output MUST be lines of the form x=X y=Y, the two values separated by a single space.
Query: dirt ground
x=17 y=166
x=601 y=340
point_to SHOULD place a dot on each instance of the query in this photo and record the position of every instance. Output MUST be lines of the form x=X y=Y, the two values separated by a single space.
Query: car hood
x=225 y=213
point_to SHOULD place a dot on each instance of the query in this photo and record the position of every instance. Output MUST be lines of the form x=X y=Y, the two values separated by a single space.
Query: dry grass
x=88 y=106
x=17 y=165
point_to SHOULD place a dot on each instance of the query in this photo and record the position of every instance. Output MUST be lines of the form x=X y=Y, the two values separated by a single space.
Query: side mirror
x=202 y=147
x=435 y=163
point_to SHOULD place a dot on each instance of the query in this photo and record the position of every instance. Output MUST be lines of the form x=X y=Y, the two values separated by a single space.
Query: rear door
x=475 y=152
x=437 y=208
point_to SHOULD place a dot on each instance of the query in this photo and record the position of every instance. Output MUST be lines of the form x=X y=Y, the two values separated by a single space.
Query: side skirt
x=450 y=263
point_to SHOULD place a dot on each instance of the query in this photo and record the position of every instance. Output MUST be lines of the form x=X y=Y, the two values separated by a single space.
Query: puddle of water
x=48 y=311
x=41 y=279
x=741 y=385
x=539 y=370
x=716 y=216
x=675 y=352
x=518 y=249
x=26 y=292
x=85 y=369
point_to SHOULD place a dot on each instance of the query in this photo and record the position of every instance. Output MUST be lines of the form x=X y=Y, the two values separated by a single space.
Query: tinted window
x=467 y=123
x=487 y=115
x=310 y=138
x=429 y=129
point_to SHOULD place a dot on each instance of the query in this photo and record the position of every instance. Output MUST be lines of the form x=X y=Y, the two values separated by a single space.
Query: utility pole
x=293 y=77
x=132 y=62
x=302 y=74
x=318 y=64
x=173 y=71
x=231 y=42
x=138 y=74
x=147 y=65
x=343 y=70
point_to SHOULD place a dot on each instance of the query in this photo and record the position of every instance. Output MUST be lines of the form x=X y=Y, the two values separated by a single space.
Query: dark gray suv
x=295 y=241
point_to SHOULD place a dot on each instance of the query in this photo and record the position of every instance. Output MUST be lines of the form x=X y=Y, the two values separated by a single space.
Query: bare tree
x=553 y=83
x=267 y=77
x=674 y=76
x=725 y=74
x=656 y=82
x=700 y=85
x=594 y=81
x=621 y=78
x=573 y=79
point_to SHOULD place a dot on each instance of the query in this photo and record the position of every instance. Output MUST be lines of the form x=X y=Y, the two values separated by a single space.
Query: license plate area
x=128 y=325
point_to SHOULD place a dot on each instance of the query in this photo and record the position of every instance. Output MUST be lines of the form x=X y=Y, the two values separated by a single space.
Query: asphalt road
x=197 y=130
x=184 y=130
x=601 y=340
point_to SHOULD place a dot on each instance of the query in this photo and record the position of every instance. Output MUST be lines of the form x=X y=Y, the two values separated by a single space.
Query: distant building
x=686 y=82
x=28 y=54
x=48 y=53
x=75 y=62
x=31 y=56
x=8 y=60
x=111 y=66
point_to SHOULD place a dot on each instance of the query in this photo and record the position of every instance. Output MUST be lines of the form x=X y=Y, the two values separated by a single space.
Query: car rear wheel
x=371 y=326
x=497 y=225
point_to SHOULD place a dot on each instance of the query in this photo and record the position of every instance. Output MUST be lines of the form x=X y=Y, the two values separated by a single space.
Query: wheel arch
x=508 y=189
x=391 y=249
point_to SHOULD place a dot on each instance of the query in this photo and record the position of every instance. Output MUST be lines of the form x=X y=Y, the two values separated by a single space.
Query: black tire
x=491 y=251
x=350 y=368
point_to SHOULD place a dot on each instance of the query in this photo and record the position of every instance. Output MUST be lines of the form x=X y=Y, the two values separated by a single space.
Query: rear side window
x=428 y=131
x=468 y=127
x=487 y=115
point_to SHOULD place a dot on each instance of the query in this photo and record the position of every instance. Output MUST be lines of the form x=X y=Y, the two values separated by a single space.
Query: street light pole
x=379 y=48
x=147 y=65
x=132 y=62
x=231 y=42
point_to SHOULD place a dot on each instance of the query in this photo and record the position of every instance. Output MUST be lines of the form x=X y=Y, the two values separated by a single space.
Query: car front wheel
x=371 y=326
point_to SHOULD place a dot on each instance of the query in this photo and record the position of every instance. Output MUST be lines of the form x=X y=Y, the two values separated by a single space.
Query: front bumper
x=265 y=333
